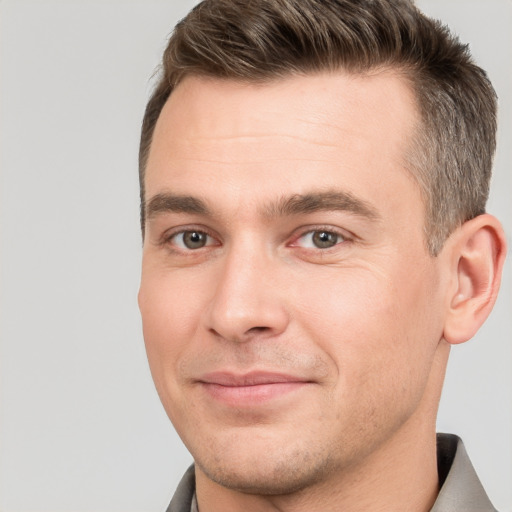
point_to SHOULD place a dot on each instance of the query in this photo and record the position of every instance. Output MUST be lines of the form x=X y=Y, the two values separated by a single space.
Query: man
x=313 y=183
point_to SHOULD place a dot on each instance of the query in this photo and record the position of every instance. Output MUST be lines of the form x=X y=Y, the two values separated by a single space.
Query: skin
x=359 y=329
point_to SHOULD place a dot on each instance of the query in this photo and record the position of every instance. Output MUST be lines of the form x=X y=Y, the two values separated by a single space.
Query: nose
x=247 y=301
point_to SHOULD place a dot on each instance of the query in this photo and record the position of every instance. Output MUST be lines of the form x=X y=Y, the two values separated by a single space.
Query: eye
x=320 y=239
x=191 y=240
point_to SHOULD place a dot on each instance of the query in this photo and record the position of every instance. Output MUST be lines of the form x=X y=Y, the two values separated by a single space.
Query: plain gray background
x=81 y=427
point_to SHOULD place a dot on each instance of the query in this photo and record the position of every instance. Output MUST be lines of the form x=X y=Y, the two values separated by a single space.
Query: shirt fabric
x=461 y=490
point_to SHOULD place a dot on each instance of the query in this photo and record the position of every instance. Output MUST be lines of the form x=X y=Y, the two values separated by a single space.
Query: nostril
x=248 y=335
x=257 y=330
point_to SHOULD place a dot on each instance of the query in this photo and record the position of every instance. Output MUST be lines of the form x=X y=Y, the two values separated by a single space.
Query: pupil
x=324 y=239
x=194 y=239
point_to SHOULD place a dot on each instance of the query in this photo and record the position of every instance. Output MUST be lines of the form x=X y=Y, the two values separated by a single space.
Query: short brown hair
x=260 y=40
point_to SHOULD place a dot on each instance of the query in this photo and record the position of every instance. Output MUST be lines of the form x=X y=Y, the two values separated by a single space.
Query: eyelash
x=343 y=237
x=168 y=238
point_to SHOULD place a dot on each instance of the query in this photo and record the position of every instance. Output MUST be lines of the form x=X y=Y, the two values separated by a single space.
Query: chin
x=267 y=472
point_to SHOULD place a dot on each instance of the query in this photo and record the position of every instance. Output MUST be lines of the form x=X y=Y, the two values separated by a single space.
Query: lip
x=249 y=389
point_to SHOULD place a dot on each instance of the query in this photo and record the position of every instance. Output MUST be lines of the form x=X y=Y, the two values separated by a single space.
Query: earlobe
x=478 y=255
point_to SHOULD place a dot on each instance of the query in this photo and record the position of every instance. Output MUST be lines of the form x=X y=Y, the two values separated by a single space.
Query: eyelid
x=305 y=230
x=170 y=234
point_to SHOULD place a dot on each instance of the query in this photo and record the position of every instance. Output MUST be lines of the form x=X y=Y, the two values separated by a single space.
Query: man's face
x=291 y=311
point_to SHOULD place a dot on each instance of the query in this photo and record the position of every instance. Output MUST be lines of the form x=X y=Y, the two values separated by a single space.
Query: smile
x=250 y=389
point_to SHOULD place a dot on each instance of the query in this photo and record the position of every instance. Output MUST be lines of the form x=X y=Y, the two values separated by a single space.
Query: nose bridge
x=246 y=300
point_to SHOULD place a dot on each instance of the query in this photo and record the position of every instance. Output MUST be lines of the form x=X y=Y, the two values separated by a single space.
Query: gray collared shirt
x=461 y=490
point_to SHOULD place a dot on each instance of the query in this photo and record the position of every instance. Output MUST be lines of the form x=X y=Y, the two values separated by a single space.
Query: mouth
x=239 y=390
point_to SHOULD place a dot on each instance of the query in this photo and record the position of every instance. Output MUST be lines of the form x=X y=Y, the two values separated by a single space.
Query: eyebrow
x=172 y=203
x=331 y=200
x=296 y=204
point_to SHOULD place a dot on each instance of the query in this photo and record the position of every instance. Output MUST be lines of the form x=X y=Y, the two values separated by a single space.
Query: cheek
x=169 y=310
x=379 y=328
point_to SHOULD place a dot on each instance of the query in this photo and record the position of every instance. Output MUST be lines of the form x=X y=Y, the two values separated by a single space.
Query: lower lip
x=239 y=396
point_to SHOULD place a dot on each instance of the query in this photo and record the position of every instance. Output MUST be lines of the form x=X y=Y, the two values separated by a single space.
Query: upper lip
x=254 y=378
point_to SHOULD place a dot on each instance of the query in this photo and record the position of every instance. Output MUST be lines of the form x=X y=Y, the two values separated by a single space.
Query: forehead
x=297 y=133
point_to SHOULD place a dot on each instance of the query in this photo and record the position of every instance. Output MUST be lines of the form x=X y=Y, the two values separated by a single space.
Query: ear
x=478 y=252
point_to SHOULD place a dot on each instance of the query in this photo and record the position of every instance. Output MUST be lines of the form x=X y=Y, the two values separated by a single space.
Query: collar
x=461 y=489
